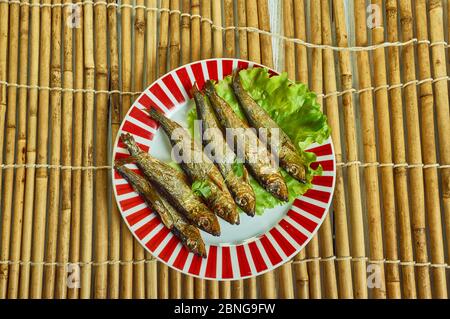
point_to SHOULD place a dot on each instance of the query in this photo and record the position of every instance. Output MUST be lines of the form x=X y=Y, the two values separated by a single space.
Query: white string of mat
x=236 y=28
x=325 y=96
x=294 y=262
x=340 y=164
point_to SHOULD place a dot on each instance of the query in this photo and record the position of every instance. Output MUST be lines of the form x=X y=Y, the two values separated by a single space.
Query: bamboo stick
x=88 y=141
x=340 y=210
x=387 y=172
x=206 y=47
x=199 y=289
x=225 y=290
x=185 y=32
x=163 y=37
x=19 y=181
x=217 y=33
x=195 y=30
x=242 y=23
x=442 y=106
x=78 y=115
x=251 y=288
x=312 y=249
x=174 y=61
x=300 y=33
x=230 y=35
x=370 y=150
x=116 y=220
x=266 y=40
x=300 y=267
x=139 y=47
x=67 y=110
x=212 y=289
x=10 y=136
x=31 y=150
x=55 y=154
x=414 y=152
x=237 y=289
x=354 y=191
x=101 y=152
x=254 y=51
x=40 y=200
x=400 y=175
x=4 y=23
x=152 y=43
x=429 y=154
x=126 y=249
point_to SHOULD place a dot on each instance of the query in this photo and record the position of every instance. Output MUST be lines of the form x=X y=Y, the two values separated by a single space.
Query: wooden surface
x=66 y=85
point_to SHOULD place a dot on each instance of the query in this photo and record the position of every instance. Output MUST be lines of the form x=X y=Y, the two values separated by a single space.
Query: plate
x=258 y=244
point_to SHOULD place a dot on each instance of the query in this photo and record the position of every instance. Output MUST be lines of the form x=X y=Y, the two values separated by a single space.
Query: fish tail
x=209 y=87
x=130 y=143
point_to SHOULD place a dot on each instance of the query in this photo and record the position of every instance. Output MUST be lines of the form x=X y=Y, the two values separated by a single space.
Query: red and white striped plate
x=258 y=244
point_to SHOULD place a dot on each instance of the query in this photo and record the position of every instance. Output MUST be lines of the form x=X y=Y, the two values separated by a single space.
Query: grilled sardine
x=223 y=155
x=173 y=186
x=290 y=159
x=187 y=233
x=262 y=166
x=199 y=168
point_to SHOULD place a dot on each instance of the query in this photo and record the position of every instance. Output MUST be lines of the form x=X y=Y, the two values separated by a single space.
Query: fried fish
x=223 y=155
x=173 y=185
x=171 y=218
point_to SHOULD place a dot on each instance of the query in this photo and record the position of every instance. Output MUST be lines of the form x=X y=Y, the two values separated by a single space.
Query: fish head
x=277 y=186
x=227 y=210
x=247 y=202
x=194 y=241
x=208 y=222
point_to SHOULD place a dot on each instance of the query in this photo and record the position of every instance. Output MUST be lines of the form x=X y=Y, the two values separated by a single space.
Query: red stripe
x=138 y=216
x=299 y=237
x=195 y=265
x=212 y=70
x=321 y=150
x=169 y=248
x=327 y=165
x=285 y=245
x=173 y=88
x=310 y=208
x=260 y=265
x=126 y=204
x=323 y=181
x=321 y=196
x=147 y=228
x=227 y=268
x=242 y=65
x=185 y=80
x=302 y=220
x=227 y=67
x=198 y=74
x=270 y=250
x=159 y=93
x=120 y=156
x=180 y=261
x=148 y=103
x=211 y=266
x=244 y=267
x=137 y=130
x=143 y=117
x=123 y=188
x=156 y=240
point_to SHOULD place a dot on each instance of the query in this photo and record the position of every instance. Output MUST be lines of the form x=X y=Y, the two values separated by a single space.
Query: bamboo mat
x=70 y=71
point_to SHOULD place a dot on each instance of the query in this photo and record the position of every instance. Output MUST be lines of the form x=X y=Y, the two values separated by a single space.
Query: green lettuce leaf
x=294 y=108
